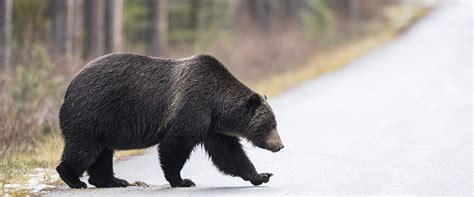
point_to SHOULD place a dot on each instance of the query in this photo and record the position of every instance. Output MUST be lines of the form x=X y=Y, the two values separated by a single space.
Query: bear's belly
x=136 y=140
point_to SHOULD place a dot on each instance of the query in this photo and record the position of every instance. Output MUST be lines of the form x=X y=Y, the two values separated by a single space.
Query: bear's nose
x=281 y=147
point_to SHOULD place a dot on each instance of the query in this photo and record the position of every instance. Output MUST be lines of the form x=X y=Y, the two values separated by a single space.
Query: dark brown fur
x=126 y=101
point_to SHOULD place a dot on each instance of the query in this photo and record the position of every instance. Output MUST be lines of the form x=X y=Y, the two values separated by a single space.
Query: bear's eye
x=265 y=97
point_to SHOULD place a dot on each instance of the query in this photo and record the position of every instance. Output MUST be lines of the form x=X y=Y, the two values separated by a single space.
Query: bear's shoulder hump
x=205 y=58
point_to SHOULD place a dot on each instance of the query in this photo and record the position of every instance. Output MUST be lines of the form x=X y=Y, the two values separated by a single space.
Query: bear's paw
x=261 y=178
x=184 y=183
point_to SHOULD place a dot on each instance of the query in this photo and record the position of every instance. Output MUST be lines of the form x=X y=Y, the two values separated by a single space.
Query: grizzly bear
x=125 y=101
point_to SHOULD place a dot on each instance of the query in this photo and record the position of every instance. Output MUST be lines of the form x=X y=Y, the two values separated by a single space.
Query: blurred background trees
x=5 y=33
x=242 y=33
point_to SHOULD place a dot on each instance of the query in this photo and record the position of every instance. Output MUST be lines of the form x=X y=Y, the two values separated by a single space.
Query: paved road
x=396 y=121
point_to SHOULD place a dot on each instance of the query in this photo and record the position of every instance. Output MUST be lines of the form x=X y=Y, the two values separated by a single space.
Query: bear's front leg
x=173 y=155
x=228 y=156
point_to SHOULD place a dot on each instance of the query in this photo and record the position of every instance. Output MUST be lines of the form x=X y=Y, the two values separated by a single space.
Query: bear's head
x=253 y=119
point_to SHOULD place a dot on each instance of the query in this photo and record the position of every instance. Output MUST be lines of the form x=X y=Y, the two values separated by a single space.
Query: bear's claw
x=261 y=178
x=77 y=185
x=113 y=182
x=184 y=183
x=116 y=182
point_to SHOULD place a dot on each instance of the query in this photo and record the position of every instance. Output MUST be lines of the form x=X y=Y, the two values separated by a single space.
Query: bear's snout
x=273 y=141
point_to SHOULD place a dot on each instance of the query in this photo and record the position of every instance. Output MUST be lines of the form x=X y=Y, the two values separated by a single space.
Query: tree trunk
x=63 y=30
x=289 y=10
x=193 y=23
x=195 y=6
x=5 y=33
x=113 y=30
x=354 y=13
x=262 y=13
x=95 y=27
x=255 y=13
x=157 y=35
x=77 y=28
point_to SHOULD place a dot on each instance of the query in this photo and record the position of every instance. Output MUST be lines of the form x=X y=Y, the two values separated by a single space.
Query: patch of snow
x=39 y=181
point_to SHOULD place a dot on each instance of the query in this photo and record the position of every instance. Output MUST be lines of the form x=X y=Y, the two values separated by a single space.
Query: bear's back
x=123 y=83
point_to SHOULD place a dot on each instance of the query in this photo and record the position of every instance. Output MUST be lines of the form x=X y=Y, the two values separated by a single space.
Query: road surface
x=395 y=121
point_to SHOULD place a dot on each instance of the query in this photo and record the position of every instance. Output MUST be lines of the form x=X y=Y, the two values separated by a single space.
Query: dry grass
x=44 y=155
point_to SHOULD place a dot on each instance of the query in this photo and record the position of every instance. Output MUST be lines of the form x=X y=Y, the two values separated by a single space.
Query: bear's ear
x=254 y=101
x=265 y=97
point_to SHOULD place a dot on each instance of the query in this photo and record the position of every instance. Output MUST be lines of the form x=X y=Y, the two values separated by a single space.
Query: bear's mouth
x=273 y=141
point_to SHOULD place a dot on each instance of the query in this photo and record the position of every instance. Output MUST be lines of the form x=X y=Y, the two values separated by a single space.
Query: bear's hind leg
x=69 y=176
x=101 y=172
x=173 y=155
x=76 y=158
